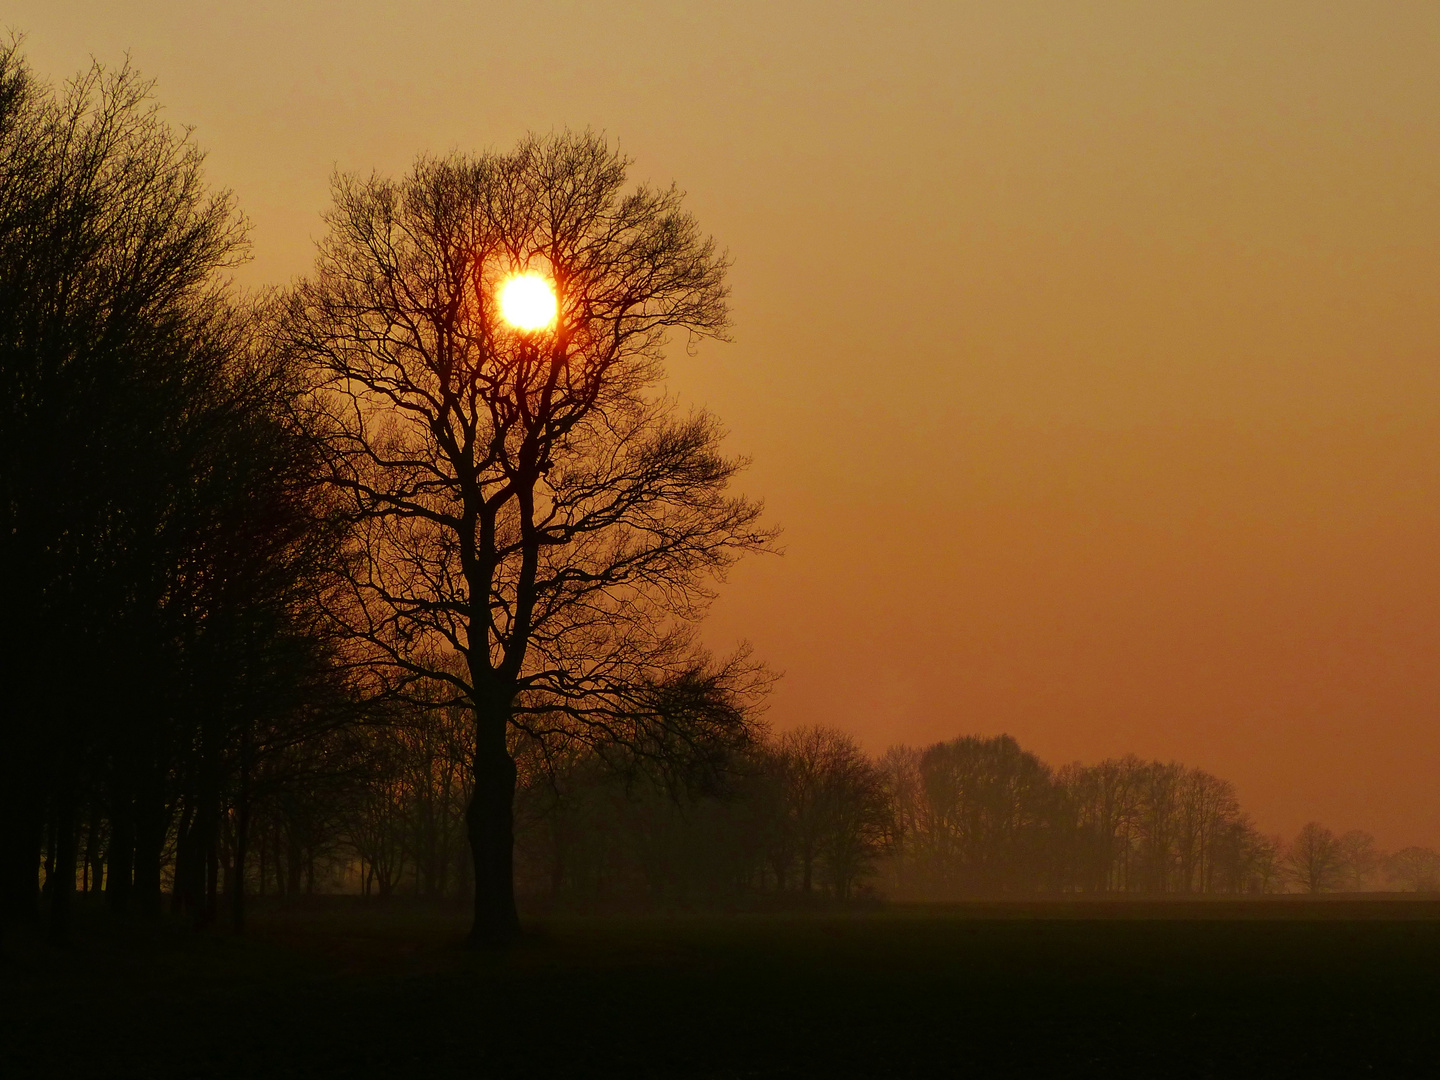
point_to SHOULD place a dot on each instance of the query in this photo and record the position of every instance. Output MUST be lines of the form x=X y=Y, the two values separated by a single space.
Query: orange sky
x=1086 y=351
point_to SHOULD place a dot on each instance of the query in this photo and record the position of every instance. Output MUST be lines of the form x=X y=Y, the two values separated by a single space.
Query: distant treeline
x=803 y=815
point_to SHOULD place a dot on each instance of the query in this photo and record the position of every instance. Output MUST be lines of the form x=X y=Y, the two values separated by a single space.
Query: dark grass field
x=1214 y=989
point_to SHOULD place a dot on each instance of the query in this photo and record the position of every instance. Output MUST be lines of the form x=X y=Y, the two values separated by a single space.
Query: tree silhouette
x=1315 y=859
x=1359 y=859
x=529 y=502
x=163 y=530
x=108 y=241
x=830 y=806
x=991 y=806
x=1415 y=869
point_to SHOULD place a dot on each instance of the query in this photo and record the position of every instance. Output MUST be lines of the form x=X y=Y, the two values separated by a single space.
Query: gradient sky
x=1087 y=352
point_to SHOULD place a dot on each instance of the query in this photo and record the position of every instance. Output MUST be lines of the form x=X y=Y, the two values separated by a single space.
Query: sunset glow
x=965 y=556
x=527 y=302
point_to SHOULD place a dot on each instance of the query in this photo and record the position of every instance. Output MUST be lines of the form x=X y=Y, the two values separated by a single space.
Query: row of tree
x=803 y=815
x=165 y=536
x=809 y=813
x=1317 y=860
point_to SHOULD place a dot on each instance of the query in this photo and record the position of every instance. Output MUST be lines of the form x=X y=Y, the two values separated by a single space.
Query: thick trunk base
x=490 y=820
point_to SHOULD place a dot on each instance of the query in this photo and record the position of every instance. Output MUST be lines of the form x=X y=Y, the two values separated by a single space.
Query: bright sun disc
x=527 y=302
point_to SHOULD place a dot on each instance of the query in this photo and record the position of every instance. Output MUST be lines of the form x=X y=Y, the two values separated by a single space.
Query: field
x=1223 y=989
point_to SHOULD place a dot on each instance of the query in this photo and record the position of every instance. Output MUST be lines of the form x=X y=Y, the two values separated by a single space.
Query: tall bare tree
x=531 y=502
x=1360 y=860
x=1315 y=859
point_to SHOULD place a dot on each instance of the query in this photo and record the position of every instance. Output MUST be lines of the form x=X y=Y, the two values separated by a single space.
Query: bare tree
x=831 y=808
x=1208 y=810
x=1360 y=860
x=1315 y=860
x=1104 y=801
x=1415 y=869
x=1260 y=866
x=529 y=501
x=433 y=749
x=860 y=819
x=799 y=763
x=990 y=808
x=900 y=771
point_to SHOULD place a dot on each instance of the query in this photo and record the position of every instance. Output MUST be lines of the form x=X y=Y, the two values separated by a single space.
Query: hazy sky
x=1089 y=353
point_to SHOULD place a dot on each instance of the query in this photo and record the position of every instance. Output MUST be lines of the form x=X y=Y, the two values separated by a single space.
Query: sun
x=527 y=302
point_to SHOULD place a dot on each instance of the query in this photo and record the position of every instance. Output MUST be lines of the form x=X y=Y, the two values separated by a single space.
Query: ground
x=346 y=988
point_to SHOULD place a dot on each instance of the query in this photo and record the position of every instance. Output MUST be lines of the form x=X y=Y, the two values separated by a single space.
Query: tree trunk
x=20 y=830
x=465 y=874
x=557 y=861
x=97 y=871
x=293 y=862
x=91 y=858
x=185 y=890
x=62 y=868
x=49 y=857
x=490 y=820
x=151 y=824
x=237 y=874
x=210 y=905
x=120 y=853
x=242 y=836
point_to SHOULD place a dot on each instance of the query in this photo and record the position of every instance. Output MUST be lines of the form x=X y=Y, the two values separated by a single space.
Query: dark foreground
x=1216 y=989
